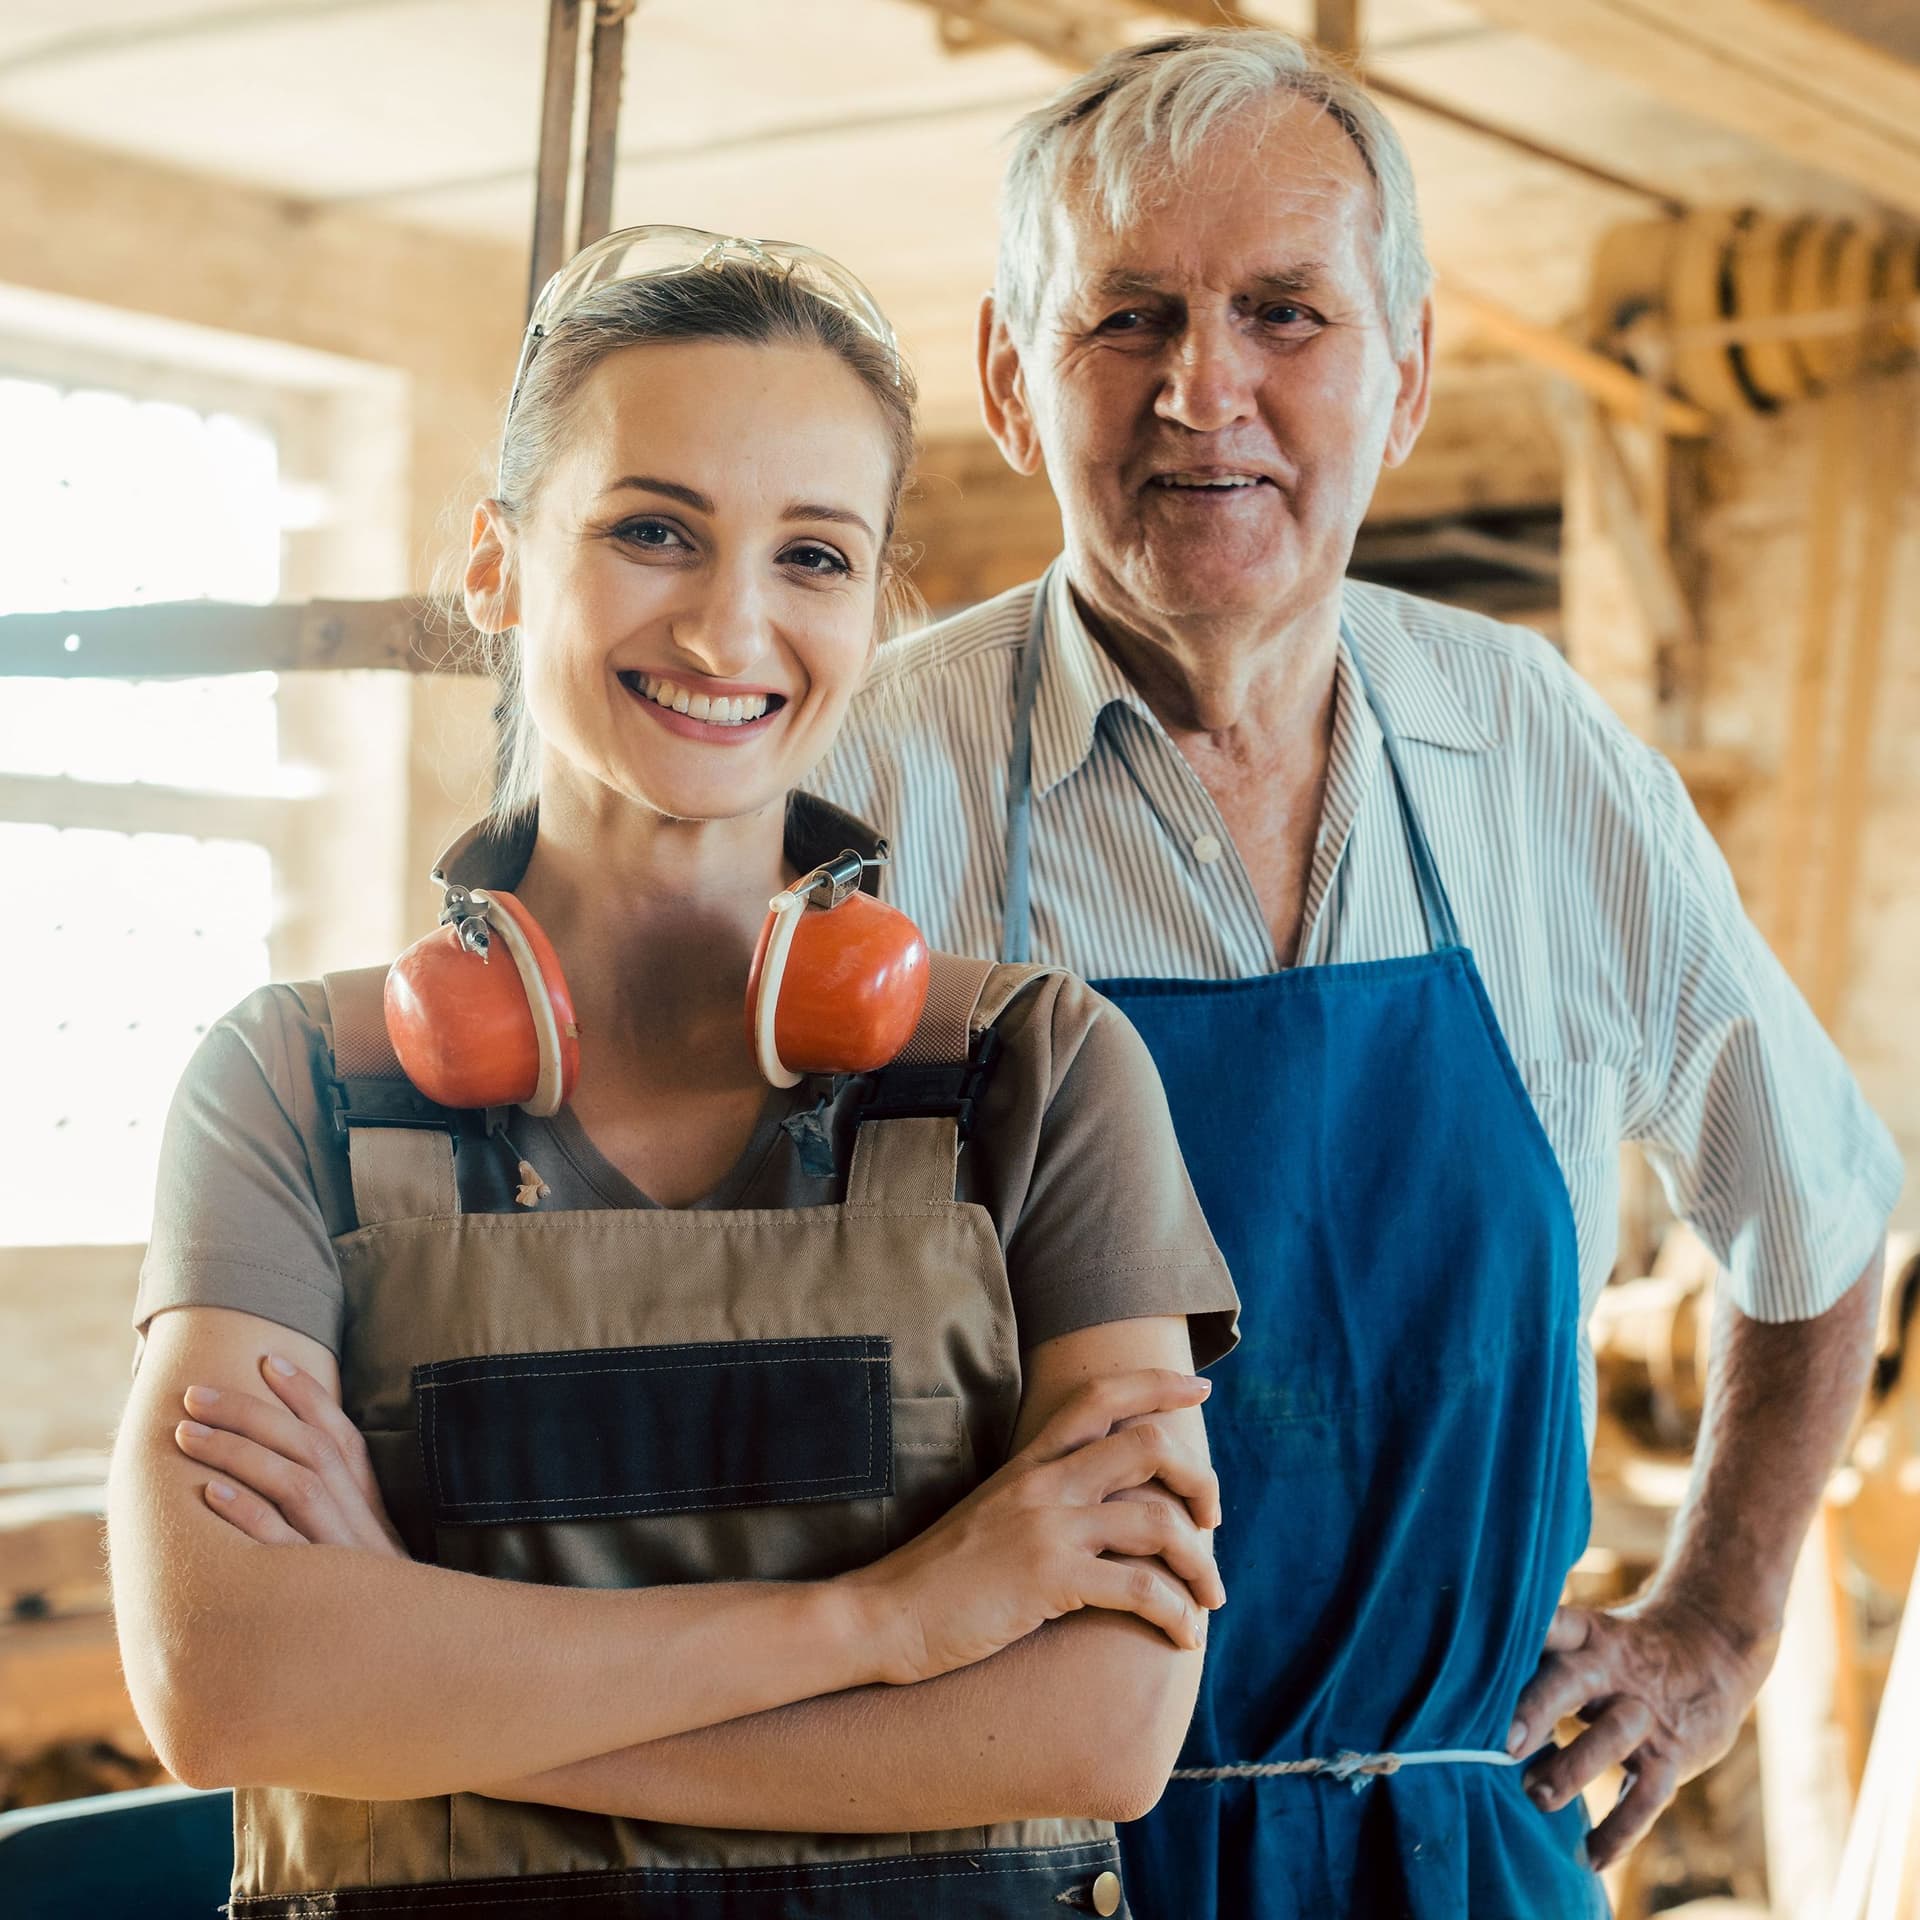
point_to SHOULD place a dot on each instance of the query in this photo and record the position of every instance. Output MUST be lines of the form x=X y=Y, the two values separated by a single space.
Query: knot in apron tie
x=1355 y=1770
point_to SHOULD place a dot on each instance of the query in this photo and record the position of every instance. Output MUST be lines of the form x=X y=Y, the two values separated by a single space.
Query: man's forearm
x=1780 y=1400
x=1083 y=1718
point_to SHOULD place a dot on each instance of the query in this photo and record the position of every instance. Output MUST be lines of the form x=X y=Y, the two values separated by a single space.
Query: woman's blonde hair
x=735 y=301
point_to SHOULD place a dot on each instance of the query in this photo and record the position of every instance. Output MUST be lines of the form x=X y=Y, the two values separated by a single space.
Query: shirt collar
x=494 y=855
x=1414 y=695
x=1079 y=680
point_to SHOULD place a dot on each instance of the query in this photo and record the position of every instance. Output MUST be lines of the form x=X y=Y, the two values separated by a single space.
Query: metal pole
x=1336 y=26
x=550 y=248
x=603 y=118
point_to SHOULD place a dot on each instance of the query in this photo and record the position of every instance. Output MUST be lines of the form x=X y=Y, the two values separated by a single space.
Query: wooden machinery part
x=1896 y=284
x=1629 y=272
x=1762 y=254
x=1854 y=266
x=1745 y=311
x=1651 y=1339
x=1696 y=300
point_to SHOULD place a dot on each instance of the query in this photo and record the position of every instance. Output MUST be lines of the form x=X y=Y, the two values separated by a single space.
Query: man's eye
x=1127 y=320
x=1284 y=314
x=810 y=557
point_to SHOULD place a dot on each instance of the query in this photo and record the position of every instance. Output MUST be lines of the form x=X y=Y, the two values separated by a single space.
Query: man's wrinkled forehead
x=1288 y=206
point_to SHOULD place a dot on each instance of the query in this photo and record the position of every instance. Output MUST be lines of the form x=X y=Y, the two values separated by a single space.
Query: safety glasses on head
x=654 y=253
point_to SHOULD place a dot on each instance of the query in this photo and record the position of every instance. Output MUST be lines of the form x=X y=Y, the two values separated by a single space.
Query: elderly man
x=1418 y=934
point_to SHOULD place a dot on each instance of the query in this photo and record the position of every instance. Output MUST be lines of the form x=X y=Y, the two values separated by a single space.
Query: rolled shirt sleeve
x=1746 y=1110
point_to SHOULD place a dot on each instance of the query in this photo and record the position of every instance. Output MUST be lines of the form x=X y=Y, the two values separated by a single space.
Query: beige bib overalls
x=633 y=1397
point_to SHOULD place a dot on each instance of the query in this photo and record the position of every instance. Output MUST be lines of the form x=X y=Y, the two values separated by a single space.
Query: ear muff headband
x=549 y=1090
x=786 y=909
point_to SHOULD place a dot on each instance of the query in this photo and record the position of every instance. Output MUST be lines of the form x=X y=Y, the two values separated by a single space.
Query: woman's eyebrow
x=845 y=516
x=668 y=489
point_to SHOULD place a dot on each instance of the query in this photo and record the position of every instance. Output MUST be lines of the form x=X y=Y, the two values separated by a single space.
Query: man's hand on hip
x=1663 y=1687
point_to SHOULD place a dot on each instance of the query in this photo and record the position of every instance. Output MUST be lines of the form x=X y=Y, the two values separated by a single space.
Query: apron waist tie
x=1355 y=1770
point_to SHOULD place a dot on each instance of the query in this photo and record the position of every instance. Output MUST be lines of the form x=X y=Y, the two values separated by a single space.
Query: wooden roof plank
x=1765 y=69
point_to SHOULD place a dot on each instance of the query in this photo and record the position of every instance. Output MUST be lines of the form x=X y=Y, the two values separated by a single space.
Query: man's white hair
x=1130 y=129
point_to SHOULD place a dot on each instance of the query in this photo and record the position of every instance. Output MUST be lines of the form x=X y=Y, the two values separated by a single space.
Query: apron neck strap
x=1442 y=929
x=1016 y=912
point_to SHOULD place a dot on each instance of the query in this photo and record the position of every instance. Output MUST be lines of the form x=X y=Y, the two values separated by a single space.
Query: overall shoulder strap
x=907 y=1134
x=399 y=1145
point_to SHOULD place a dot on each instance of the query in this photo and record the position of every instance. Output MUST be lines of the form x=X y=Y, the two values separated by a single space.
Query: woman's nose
x=723 y=626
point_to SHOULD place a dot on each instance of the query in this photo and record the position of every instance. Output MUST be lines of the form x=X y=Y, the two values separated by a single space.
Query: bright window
x=135 y=941
x=138 y=942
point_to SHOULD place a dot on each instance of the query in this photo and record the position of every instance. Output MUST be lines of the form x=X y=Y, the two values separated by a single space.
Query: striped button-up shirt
x=1638 y=1000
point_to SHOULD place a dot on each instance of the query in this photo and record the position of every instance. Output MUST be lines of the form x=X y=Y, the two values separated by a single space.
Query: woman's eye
x=656 y=534
x=810 y=557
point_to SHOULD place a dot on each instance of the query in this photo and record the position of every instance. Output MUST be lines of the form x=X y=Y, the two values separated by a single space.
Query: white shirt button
x=1207 y=849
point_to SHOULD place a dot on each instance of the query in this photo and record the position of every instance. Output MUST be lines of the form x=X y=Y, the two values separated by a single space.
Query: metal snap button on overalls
x=1106 y=1894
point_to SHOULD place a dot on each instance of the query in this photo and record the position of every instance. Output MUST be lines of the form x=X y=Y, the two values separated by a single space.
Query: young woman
x=647 y=1488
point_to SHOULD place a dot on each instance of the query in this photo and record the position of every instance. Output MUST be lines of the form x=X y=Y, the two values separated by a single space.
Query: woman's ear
x=1003 y=391
x=492 y=598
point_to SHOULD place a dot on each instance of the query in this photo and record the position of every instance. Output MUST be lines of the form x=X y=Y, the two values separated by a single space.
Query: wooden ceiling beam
x=1765 y=68
x=1074 y=37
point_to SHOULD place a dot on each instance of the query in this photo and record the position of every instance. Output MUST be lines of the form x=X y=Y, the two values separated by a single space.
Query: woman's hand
x=296 y=1468
x=1031 y=1543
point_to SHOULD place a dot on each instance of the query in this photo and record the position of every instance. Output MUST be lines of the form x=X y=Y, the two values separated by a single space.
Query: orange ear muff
x=833 y=989
x=479 y=1011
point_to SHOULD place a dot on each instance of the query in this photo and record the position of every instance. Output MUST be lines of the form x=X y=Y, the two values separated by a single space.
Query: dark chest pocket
x=706 y=1428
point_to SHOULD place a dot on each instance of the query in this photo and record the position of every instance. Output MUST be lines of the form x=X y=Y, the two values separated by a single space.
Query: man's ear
x=491 y=595
x=1416 y=391
x=1003 y=391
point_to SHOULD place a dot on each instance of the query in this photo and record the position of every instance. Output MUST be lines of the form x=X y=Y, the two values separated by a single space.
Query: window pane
x=109 y=501
x=219 y=735
x=127 y=947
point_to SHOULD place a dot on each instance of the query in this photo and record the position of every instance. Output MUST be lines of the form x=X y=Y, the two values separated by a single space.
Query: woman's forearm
x=341 y=1673
x=1081 y=1719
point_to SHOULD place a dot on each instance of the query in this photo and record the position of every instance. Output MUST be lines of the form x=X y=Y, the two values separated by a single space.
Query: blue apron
x=1398 y=1438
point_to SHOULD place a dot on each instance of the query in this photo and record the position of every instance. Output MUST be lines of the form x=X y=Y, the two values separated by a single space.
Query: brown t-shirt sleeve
x=237 y=1220
x=1096 y=1212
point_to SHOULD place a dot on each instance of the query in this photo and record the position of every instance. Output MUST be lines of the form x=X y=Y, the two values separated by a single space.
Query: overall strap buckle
x=931 y=1092
x=359 y=1102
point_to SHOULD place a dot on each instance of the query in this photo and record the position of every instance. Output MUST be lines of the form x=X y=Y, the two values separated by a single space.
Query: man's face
x=1214 y=390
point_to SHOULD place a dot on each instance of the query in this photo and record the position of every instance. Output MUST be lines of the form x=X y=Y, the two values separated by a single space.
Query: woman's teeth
x=721 y=712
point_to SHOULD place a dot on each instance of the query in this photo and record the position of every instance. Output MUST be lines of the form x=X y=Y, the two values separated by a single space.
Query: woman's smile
x=701 y=709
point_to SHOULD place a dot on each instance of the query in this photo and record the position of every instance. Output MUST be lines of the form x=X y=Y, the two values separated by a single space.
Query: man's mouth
x=1208 y=480
x=715 y=710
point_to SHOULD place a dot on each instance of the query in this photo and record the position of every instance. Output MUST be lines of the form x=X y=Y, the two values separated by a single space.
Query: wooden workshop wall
x=1802 y=749
x=440 y=315
x=442 y=311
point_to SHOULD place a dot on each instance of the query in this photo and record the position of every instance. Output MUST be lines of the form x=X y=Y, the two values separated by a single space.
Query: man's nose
x=722 y=625
x=1212 y=375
